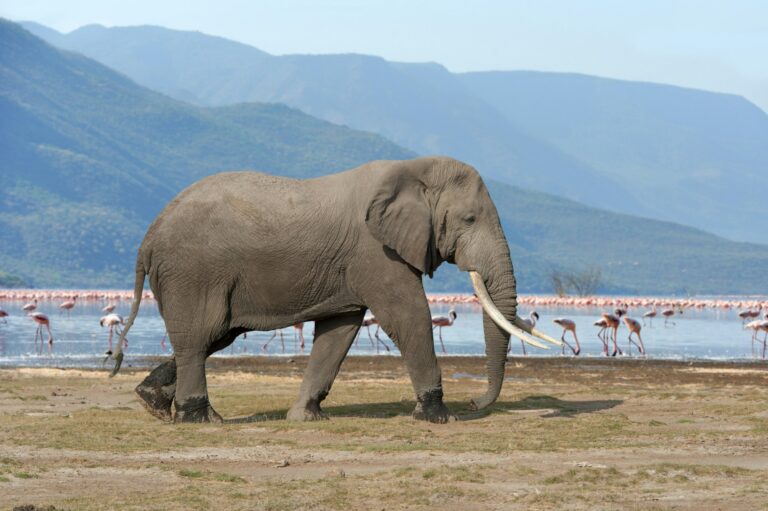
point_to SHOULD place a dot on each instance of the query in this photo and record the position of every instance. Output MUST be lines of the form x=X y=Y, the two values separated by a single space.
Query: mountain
x=669 y=153
x=89 y=158
x=420 y=106
x=700 y=157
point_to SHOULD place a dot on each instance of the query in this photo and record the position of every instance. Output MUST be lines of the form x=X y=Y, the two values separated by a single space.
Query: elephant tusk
x=495 y=314
x=538 y=333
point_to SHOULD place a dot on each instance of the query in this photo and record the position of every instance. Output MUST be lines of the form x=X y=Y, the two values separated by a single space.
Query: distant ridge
x=671 y=153
x=89 y=158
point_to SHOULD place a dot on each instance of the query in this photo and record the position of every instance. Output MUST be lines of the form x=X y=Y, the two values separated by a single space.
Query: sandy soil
x=575 y=434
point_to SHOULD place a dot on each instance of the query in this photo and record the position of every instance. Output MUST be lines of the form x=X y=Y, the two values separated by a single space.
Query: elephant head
x=432 y=210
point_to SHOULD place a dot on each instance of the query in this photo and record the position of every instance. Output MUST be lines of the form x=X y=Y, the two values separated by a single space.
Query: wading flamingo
x=440 y=321
x=108 y=309
x=757 y=326
x=568 y=326
x=113 y=322
x=368 y=321
x=42 y=321
x=533 y=317
x=613 y=322
x=275 y=334
x=650 y=315
x=68 y=305
x=748 y=314
x=668 y=313
x=30 y=306
x=298 y=331
x=3 y=315
x=602 y=334
x=634 y=328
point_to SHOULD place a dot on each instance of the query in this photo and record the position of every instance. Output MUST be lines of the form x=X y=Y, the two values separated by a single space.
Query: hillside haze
x=89 y=158
x=665 y=152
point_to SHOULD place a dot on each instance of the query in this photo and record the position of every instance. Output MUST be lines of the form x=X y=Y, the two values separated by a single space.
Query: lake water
x=81 y=342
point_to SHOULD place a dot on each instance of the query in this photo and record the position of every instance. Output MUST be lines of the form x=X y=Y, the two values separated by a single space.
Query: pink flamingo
x=3 y=315
x=613 y=322
x=275 y=334
x=748 y=314
x=568 y=326
x=756 y=326
x=30 y=306
x=650 y=315
x=634 y=328
x=113 y=321
x=668 y=313
x=108 y=309
x=441 y=321
x=533 y=317
x=368 y=321
x=68 y=305
x=298 y=329
x=42 y=321
x=602 y=334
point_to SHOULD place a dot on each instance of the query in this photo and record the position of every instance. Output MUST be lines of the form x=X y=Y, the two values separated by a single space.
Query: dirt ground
x=565 y=434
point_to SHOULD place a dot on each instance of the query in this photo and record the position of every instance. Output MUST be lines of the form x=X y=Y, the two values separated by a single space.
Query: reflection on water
x=80 y=341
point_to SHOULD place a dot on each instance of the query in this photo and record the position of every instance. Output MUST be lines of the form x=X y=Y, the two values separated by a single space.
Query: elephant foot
x=306 y=412
x=196 y=409
x=157 y=390
x=430 y=407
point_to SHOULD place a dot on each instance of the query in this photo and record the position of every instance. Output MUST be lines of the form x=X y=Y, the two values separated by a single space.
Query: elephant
x=242 y=251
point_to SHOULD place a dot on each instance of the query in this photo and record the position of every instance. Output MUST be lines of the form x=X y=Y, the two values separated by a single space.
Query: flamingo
x=369 y=320
x=68 y=305
x=30 y=307
x=42 y=321
x=748 y=314
x=634 y=328
x=650 y=315
x=3 y=315
x=533 y=317
x=756 y=326
x=613 y=323
x=109 y=308
x=570 y=326
x=440 y=322
x=275 y=334
x=298 y=330
x=668 y=313
x=602 y=335
x=113 y=321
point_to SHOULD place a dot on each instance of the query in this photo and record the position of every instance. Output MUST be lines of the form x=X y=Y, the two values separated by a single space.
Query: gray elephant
x=246 y=251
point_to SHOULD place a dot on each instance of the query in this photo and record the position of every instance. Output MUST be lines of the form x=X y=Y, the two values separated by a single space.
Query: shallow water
x=81 y=342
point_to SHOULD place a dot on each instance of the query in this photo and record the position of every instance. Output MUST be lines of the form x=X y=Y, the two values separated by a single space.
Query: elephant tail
x=138 y=290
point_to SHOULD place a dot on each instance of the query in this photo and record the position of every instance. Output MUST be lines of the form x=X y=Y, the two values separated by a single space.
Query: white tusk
x=490 y=308
x=538 y=333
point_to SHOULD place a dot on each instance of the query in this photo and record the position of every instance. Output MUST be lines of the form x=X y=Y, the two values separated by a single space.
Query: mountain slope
x=420 y=106
x=89 y=157
x=665 y=152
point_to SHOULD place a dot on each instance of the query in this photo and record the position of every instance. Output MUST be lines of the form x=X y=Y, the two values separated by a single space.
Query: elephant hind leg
x=157 y=391
x=191 y=399
x=333 y=338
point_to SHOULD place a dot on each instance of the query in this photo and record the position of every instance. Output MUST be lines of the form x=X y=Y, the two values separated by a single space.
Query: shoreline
x=747 y=302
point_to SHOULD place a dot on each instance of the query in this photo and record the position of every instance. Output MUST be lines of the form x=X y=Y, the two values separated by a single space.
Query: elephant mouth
x=519 y=328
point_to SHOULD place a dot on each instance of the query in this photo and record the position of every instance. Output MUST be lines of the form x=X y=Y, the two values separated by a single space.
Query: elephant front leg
x=333 y=338
x=403 y=313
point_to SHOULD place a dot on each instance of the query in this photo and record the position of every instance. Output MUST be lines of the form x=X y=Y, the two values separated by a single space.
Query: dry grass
x=581 y=435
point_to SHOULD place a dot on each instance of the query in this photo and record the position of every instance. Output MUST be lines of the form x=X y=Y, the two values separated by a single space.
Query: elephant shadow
x=539 y=405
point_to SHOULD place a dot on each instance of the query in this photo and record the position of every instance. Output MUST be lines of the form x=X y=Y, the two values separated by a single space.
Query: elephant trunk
x=499 y=281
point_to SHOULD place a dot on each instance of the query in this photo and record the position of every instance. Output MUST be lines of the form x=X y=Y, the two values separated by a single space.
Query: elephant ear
x=400 y=216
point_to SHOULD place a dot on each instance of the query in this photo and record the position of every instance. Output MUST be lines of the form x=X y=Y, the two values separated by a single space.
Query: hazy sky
x=714 y=45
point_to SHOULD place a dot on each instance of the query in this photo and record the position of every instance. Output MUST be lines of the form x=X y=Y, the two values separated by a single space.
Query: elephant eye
x=470 y=218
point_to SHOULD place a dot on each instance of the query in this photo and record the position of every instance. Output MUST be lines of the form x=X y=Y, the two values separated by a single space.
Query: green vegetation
x=89 y=158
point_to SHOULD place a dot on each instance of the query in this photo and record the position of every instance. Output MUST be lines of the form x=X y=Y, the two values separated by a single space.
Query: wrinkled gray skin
x=246 y=251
